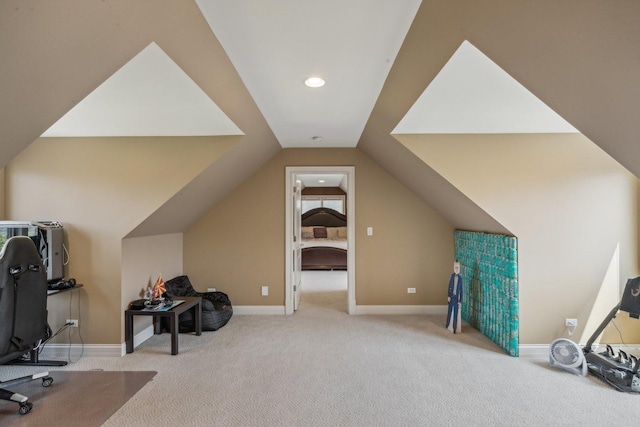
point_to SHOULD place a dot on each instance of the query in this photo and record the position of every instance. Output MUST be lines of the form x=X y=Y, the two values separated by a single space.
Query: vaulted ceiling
x=213 y=67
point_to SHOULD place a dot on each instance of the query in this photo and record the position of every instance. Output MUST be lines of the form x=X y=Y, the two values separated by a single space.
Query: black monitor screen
x=631 y=298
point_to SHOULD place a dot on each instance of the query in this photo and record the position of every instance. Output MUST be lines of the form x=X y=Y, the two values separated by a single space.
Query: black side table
x=190 y=303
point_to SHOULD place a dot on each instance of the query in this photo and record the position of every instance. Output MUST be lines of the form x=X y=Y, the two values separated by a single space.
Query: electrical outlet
x=74 y=322
x=411 y=290
x=571 y=322
x=211 y=289
x=265 y=291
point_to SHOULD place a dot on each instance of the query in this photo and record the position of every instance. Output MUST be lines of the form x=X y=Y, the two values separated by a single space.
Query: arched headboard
x=323 y=217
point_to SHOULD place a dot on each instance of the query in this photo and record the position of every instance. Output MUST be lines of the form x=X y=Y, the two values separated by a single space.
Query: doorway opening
x=295 y=179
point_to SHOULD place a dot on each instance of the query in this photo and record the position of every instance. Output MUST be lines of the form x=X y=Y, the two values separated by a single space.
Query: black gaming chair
x=23 y=310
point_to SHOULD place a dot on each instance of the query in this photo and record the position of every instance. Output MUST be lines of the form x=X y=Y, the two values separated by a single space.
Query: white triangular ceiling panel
x=471 y=94
x=148 y=96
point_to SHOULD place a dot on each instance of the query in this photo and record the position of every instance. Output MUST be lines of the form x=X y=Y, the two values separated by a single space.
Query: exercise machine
x=619 y=370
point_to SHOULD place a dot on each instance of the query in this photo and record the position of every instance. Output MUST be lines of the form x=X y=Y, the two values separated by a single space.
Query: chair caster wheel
x=47 y=381
x=25 y=408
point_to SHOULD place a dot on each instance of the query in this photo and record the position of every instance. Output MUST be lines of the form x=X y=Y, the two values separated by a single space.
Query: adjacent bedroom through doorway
x=324 y=240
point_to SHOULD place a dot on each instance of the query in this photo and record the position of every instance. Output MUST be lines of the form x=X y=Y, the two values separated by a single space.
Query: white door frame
x=290 y=173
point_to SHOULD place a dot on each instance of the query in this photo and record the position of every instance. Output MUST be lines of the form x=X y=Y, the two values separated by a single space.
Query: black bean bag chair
x=216 y=306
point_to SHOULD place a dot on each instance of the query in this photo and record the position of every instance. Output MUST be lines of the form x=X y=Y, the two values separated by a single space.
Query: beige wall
x=2 y=196
x=100 y=189
x=570 y=205
x=143 y=260
x=239 y=245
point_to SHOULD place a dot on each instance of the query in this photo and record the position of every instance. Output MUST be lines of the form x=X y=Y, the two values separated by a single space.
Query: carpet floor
x=323 y=367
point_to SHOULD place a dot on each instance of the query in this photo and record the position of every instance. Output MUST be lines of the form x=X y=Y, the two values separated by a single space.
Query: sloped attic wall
x=578 y=56
x=100 y=189
x=569 y=204
x=54 y=54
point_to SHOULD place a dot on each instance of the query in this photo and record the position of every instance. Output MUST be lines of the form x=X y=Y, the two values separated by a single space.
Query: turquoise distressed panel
x=489 y=268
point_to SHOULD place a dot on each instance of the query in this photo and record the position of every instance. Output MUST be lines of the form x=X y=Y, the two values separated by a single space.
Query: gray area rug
x=76 y=398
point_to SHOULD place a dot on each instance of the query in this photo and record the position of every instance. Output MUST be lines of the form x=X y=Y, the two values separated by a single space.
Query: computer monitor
x=48 y=237
x=631 y=298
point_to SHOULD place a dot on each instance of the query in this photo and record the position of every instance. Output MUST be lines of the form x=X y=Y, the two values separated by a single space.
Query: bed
x=324 y=240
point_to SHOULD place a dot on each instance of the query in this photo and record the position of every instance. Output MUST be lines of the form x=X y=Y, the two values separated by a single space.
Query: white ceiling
x=324 y=180
x=275 y=46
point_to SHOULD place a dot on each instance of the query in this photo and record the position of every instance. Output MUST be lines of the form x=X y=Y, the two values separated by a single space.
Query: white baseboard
x=139 y=338
x=401 y=309
x=533 y=350
x=75 y=351
x=542 y=350
x=258 y=310
x=360 y=309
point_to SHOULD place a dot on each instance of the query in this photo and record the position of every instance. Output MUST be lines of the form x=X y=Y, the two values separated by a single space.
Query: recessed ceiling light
x=317 y=139
x=314 y=82
x=321 y=181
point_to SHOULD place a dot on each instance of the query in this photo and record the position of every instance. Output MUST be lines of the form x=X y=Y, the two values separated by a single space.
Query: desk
x=190 y=303
x=58 y=291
